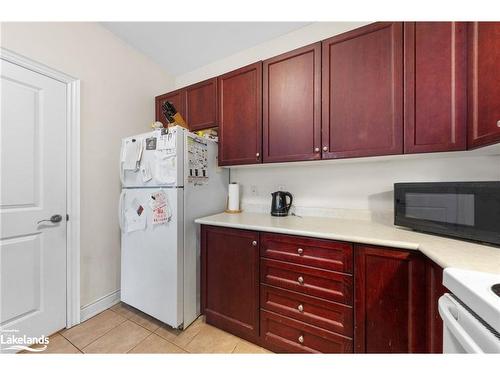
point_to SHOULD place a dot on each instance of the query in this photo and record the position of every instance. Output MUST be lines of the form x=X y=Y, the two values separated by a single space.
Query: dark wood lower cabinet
x=386 y=303
x=230 y=280
x=285 y=335
x=390 y=300
x=435 y=289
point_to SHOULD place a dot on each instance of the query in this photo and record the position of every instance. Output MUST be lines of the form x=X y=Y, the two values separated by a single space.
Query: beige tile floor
x=123 y=329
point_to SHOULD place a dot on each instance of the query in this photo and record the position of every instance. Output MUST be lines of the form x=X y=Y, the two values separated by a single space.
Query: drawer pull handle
x=300 y=251
x=301 y=339
x=301 y=280
x=254 y=243
x=300 y=308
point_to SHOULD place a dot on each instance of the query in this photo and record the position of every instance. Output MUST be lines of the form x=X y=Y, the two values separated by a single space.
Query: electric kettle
x=279 y=207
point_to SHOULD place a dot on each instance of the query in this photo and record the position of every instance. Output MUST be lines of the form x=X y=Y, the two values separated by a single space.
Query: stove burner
x=496 y=289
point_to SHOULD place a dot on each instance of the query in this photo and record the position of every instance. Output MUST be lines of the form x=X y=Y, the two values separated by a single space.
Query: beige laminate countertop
x=444 y=251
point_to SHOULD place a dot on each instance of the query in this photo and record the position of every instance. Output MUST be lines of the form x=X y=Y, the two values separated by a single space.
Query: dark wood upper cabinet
x=362 y=92
x=230 y=280
x=201 y=105
x=435 y=116
x=484 y=83
x=292 y=105
x=240 y=116
x=389 y=301
x=177 y=98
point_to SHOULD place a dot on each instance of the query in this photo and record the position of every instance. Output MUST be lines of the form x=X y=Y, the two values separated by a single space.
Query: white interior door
x=33 y=188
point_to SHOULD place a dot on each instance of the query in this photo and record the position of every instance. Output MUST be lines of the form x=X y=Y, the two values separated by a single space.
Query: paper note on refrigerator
x=165 y=170
x=135 y=217
x=132 y=153
x=159 y=205
x=197 y=161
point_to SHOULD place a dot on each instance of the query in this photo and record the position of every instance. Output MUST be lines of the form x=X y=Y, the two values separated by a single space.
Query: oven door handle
x=450 y=312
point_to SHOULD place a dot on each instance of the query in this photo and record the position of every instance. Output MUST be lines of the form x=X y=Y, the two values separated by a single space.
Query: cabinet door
x=435 y=289
x=201 y=105
x=230 y=280
x=435 y=86
x=177 y=98
x=240 y=116
x=292 y=105
x=389 y=301
x=362 y=100
x=484 y=83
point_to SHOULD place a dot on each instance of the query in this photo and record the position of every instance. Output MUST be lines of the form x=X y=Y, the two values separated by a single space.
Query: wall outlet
x=253 y=190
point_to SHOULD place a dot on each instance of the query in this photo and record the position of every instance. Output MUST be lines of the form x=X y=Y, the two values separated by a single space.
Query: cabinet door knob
x=254 y=243
x=300 y=308
x=301 y=339
x=300 y=280
x=498 y=124
x=316 y=149
x=300 y=251
x=257 y=155
x=325 y=148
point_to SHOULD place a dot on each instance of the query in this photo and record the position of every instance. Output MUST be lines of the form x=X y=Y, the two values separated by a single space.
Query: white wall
x=364 y=186
x=306 y=35
x=118 y=85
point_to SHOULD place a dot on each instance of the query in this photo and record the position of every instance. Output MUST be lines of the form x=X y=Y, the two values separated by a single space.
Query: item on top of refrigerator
x=233 y=199
x=211 y=134
x=132 y=153
x=157 y=125
x=172 y=116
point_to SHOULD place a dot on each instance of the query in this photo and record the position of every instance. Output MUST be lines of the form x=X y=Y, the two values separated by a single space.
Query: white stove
x=471 y=312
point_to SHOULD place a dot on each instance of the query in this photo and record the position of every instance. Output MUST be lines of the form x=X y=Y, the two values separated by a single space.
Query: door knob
x=316 y=149
x=498 y=124
x=300 y=280
x=300 y=308
x=53 y=219
x=254 y=243
x=301 y=339
x=325 y=148
x=300 y=251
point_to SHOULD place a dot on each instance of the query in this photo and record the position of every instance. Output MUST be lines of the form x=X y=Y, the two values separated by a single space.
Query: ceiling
x=180 y=47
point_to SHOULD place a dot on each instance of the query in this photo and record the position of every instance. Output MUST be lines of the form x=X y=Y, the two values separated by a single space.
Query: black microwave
x=469 y=210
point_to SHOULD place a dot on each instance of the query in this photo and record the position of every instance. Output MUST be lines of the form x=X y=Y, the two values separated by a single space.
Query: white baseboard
x=96 y=307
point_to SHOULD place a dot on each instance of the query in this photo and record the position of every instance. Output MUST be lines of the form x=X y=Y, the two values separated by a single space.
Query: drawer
x=285 y=335
x=316 y=282
x=331 y=255
x=315 y=311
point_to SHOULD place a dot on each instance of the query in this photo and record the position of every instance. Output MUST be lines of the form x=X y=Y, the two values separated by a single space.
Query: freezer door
x=152 y=257
x=161 y=163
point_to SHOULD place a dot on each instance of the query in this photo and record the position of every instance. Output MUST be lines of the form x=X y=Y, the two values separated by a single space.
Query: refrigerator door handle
x=120 y=210
x=121 y=173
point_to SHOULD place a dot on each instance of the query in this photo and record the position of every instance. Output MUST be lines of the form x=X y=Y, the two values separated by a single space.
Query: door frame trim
x=72 y=177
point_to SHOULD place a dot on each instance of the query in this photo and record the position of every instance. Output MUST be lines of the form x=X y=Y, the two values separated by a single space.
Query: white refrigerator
x=168 y=180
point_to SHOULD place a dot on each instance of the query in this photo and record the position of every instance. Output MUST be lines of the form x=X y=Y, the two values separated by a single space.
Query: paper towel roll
x=233 y=201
